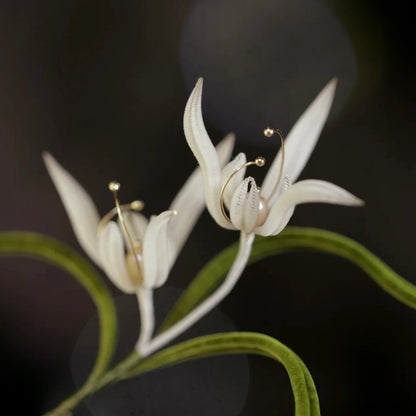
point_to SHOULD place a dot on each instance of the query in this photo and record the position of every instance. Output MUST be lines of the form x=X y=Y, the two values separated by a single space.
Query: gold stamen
x=114 y=187
x=259 y=161
x=133 y=206
x=269 y=132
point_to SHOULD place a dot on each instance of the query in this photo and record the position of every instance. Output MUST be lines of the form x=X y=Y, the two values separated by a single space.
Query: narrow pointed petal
x=300 y=141
x=251 y=209
x=286 y=216
x=244 y=208
x=225 y=148
x=136 y=224
x=204 y=151
x=157 y=253
x=190 y=200
x=229 y=169
x=79 y=206
x=111 y=247
x=303 y=192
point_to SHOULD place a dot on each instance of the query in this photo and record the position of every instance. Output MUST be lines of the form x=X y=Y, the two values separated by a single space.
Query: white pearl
x=134 y=260
x=263 y=212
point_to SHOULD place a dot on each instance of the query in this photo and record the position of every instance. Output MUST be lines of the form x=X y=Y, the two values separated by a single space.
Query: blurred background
x=102 y=85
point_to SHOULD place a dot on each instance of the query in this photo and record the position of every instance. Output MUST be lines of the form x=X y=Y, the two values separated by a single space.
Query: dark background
x=103 y=84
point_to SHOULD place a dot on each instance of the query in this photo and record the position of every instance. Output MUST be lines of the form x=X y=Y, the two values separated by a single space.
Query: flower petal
x=225 y=148
x=111 y=247
x=300 y=141
x=229 y=169
x=302 y=192
x=157 y=254
x=289 y=212
x=190 y=201
x=244 y=210
x=79 y=206
x=204 y=151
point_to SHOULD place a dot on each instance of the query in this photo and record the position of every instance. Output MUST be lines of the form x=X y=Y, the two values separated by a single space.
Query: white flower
x=266 y=210
x=161 y=238
x=135 y=253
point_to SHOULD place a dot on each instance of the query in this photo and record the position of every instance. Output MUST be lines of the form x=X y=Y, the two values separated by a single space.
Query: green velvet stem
x=294 y=239
x=44 y=248
x=304 y=391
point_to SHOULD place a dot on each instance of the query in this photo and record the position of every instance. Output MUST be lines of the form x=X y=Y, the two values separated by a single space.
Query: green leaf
x=304 y=391
x=293 y=239
x=38 y=246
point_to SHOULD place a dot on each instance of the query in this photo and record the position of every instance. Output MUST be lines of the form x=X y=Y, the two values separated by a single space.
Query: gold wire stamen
x=270 y=132
x=133 y=206
x=114 y=187
x=259 y=161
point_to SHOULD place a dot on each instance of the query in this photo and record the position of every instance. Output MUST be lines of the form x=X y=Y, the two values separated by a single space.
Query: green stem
x=112 y=376
x=294 y=239
x=45 y=248
x=304 y=391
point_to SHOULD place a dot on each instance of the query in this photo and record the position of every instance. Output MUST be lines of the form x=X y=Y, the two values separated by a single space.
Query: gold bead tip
x=137 y=205
x=260 y=161
x=114 y=186
x=268 y=132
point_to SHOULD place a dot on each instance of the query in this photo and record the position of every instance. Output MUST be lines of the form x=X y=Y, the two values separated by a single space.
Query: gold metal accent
x=133 y=206
x=259 y=161
x=269 y=132
x=114 y=187
x=132 y=258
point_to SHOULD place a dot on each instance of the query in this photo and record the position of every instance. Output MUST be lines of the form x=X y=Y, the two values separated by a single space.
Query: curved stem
x=237 y=267
x=18 y=243
x=115 y=374
x=303 y=387
x=147 y=315
x=294 y=239
x=44 y=248
x=304 y=391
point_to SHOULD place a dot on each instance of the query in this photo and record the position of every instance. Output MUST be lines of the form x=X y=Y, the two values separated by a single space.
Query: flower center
x=259 y=161
x=132 y=258
x=134 y=250
x=263 y=211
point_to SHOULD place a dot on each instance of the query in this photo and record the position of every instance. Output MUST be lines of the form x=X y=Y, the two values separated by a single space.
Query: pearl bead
x=134 y=260
x=263 y=212
x=268 y=132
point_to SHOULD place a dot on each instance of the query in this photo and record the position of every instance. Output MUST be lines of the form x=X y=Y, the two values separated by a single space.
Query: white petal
x=157 y=255
x=204 y=151
x=225 y=148
x=244 y=209
x=229 y=169
x=285 y=217
x=112 y=252
x=190 y=201
x=302 y=192
x=136 y=224
x=79 y=206
x=300 y=141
